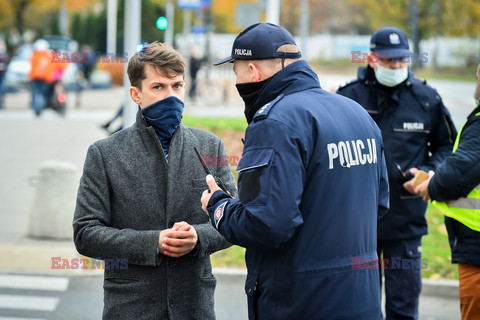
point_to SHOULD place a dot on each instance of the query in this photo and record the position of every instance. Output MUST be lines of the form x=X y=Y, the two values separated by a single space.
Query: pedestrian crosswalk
x=24 y=296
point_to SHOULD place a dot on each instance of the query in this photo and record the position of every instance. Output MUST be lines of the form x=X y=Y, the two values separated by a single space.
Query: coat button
x=171 y=303
x=172 y=265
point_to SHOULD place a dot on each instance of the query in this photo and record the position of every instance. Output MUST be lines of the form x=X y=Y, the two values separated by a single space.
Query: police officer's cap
x=391 y=42
x=261 y=41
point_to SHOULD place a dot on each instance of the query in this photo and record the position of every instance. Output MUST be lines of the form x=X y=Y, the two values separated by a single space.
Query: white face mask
x=391 y=77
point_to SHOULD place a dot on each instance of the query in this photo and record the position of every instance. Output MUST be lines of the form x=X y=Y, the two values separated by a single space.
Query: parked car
x=18 y=68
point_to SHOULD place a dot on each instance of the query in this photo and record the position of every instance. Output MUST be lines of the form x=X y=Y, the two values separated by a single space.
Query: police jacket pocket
x=413 y=251
x=252 y=296
x=250 y=284
x=251 y=168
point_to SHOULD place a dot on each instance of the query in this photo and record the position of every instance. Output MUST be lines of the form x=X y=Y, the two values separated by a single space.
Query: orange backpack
x=44 y=69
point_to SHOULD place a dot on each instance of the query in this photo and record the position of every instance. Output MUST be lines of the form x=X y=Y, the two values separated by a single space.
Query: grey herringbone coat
x=128 y=193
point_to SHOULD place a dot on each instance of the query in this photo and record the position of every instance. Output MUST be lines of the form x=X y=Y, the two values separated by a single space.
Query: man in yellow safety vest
x=455 y=189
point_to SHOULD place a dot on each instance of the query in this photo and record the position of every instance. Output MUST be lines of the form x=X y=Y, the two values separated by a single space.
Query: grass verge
x=215 y=125
x=436 y=248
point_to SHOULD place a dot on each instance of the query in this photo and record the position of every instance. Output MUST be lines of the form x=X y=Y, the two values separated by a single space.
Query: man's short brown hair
x=162 y=57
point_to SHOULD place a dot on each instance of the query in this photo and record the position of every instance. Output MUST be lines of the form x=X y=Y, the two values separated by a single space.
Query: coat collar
x=140 y=122
x=295 y=77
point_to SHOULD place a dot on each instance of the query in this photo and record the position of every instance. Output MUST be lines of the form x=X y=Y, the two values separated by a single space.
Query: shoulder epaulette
x=425 y=95
x=348 y=84
x=263 y=111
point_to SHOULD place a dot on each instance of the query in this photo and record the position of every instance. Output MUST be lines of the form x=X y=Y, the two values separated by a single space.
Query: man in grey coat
x=137 y=205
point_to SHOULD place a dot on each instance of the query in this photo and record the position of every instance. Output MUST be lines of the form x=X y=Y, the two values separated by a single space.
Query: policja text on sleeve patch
x=218 y=213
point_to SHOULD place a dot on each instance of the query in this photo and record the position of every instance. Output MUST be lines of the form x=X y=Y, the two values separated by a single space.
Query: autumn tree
x=38 y=16
x=436 y=17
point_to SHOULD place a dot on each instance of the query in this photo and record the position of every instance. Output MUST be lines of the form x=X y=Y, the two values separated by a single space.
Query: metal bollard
x=54 y=202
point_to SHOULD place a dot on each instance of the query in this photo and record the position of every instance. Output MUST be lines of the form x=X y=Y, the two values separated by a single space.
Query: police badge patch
x=218 y=214
x=394 y=38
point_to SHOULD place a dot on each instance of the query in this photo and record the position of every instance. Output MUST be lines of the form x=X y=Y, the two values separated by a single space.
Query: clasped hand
x=178 y=240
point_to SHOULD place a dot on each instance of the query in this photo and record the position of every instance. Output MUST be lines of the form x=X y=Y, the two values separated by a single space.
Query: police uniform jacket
x=417 y=132
x=312 y=179
x=129 y=193
x=455 y=178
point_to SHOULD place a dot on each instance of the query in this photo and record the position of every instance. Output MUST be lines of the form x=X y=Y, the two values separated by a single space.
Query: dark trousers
x=39 y=95
x=401 y=267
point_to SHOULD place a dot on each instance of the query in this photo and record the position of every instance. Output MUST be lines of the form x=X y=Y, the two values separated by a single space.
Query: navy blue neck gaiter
x=164 y=116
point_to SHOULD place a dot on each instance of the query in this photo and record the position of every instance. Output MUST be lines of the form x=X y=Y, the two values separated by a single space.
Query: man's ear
x=135 y=94
x=372 y=61
x=256 y=73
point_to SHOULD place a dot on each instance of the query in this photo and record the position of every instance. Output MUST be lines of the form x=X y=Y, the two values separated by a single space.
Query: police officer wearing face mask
x=418 y=134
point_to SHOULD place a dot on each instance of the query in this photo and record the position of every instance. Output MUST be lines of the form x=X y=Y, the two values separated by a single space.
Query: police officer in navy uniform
x=418 y=134
x=312 y=184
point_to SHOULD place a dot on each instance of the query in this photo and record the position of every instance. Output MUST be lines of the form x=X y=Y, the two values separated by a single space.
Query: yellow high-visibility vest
x=465 y=210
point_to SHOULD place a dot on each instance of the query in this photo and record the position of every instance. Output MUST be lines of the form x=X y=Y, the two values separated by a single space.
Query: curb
x=34 y=257
x=444 y=288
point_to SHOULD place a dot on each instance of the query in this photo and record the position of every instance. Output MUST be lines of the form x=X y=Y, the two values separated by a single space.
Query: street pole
x=187 y=26
x=63 y=19
x=273 y=11
x=170 y=12
x=304 y=26
x=414 y=30
x=131 y=40
x=112 y=9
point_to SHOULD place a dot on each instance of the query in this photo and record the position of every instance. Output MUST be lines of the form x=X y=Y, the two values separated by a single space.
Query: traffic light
x=162 y=23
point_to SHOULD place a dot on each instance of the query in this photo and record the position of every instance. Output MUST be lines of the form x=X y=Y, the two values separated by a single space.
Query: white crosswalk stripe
x=29 y=301
x=33 y=282
x=19 y=302
x=15 y=318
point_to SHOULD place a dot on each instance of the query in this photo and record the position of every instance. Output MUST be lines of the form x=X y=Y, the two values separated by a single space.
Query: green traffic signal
x=162 y=23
